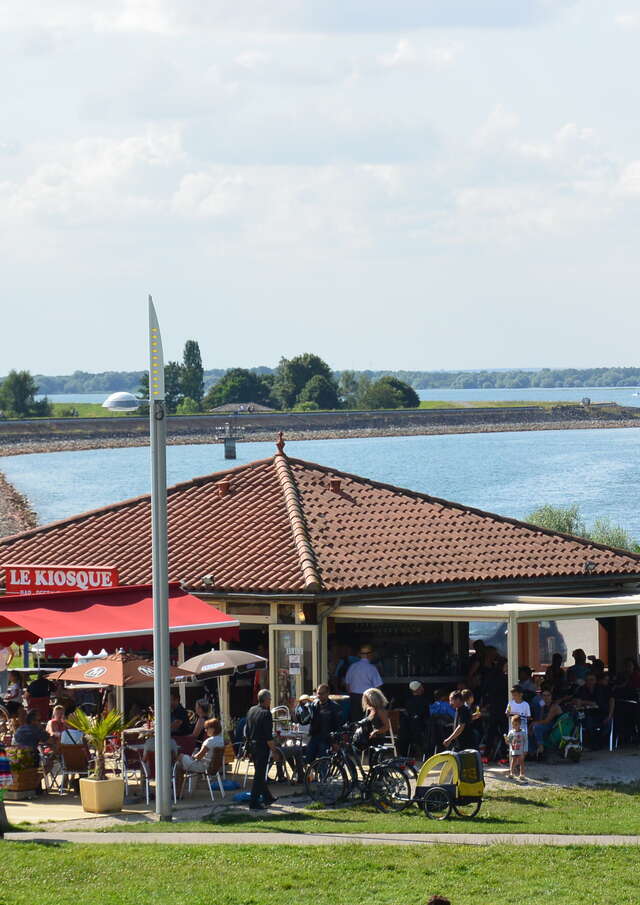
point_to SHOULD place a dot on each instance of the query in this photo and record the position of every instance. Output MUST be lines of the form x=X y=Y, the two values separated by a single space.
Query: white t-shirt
x=523 y=710
x=211 y=742
x=5 y=657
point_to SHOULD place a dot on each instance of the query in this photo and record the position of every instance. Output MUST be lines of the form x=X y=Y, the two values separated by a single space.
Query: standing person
x=414 y=720
x=516 y=739
x=325 y=717
x=462 y=736
x=14 y=689
x=6 y=657
x=259 y=733
x=518 y=706
x=361 y=676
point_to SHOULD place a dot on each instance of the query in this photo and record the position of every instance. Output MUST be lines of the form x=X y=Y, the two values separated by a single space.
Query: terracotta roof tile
x=286 y=526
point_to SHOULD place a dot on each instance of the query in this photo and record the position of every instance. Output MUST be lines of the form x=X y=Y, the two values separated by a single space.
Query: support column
x=182 y=688
x=512 y=650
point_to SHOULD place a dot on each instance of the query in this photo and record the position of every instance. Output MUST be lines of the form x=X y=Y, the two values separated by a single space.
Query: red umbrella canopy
x=117 y=669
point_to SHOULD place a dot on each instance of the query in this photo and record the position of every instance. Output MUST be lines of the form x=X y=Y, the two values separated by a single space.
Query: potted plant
x=25 y=776
x=98 y=793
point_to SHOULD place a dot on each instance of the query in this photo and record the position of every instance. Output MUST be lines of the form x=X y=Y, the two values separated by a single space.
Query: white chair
x=214 y=771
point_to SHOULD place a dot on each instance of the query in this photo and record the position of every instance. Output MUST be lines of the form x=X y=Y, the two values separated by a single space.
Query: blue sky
x=419 y=184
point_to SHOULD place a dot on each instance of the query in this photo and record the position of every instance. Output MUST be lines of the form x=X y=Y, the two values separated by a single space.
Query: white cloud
x=406 y=55
x=628 y=20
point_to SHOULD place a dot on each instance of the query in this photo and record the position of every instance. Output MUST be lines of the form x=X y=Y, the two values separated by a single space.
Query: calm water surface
x=508 y=473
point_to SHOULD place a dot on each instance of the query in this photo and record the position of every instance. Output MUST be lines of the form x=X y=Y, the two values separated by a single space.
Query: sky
x=413 y=184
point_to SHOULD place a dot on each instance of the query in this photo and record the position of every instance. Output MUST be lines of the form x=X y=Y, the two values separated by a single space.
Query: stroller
x=565 y=737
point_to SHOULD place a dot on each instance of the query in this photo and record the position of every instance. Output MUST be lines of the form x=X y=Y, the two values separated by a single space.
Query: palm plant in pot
x=99 y=794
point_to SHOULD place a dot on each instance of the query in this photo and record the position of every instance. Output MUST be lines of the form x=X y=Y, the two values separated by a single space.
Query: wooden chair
x=214 y=771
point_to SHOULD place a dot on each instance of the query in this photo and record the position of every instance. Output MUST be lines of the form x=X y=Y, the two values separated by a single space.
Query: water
x=75 y=397
x=508 y=473
x=621 y=395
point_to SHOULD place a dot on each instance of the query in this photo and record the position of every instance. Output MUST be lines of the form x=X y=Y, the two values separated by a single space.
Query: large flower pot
x=23 y=784
x=100 y=796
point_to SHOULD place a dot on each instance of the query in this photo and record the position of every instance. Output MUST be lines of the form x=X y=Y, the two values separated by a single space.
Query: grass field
x=497 y=403
x=614 y=810
x=269 y=875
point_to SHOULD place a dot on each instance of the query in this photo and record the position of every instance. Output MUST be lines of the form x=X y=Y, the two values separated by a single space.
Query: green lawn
x=270 y=875
x=613 y=810
x=490 y=403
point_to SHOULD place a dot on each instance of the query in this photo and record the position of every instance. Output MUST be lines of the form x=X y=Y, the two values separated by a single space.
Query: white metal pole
x=512 y=650
x=161 y=700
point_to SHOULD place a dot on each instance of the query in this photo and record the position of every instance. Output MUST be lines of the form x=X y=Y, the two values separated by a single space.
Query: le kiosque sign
x=45 y=579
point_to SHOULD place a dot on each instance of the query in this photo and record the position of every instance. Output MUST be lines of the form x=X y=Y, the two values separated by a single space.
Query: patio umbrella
x=224 y=663
x=120 y=669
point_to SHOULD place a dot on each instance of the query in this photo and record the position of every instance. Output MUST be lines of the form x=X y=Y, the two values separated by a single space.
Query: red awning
x=113 y=618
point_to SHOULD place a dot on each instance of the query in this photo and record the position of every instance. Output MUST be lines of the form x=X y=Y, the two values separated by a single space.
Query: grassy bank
x=614 y=810
x=269 y=875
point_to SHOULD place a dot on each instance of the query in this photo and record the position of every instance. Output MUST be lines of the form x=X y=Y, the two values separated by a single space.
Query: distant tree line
x=111 y=381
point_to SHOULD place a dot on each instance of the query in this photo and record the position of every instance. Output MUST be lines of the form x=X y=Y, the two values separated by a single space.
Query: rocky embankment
x=15 y=512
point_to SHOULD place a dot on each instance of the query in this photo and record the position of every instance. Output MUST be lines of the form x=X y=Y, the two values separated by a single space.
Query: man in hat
x=360 y=677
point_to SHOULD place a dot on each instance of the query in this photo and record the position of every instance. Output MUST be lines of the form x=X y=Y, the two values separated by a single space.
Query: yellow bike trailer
x=451 y=779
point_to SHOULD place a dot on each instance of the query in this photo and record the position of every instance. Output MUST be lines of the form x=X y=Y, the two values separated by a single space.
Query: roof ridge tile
x=301 y=538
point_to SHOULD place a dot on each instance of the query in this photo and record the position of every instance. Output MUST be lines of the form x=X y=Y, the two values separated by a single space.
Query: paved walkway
x=257 y=838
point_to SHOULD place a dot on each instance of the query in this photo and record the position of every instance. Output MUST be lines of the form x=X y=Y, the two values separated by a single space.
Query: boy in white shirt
x=517 y=705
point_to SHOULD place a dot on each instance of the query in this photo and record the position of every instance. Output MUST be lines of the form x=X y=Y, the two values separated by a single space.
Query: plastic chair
x=149 y=772
x=214 y=771
x=131 y=766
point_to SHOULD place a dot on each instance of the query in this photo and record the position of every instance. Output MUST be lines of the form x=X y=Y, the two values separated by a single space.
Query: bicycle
x=335 y=776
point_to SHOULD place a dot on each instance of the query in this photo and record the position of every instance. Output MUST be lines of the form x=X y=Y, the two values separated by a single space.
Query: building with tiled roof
x=288 y=544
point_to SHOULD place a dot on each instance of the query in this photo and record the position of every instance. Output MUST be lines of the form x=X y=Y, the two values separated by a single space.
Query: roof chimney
x=334 y=485
x=223 y=486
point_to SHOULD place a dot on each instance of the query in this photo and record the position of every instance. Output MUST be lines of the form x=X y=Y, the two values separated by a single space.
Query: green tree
x=381 y=395
x=410 y=399
x=292 y=375
x=192 y=381
x=566 y=519
x=239 y=385
x=306 y=407
x=322 y=391
x=187 y=406
x=348 y=383
x=606 y=532
x=17 y=396
x=173 y=377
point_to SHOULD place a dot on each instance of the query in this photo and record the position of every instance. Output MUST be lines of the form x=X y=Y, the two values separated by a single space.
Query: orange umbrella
x=119 y=669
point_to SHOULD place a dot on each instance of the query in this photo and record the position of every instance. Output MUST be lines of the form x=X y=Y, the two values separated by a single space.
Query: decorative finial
x=280 y=443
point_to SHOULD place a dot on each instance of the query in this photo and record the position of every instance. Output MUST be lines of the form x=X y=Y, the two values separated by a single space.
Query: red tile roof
x=282 y=525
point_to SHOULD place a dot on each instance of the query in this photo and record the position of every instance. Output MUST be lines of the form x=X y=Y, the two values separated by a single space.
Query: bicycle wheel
x=390 y=788
x=468 y=809
x=436 y=804
x=326 y=781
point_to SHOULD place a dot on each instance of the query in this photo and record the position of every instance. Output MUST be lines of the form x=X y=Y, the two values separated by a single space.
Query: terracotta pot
x=102 y=796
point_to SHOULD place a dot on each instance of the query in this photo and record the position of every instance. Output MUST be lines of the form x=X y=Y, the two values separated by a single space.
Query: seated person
x=31 y=734
x=375 y=725
x=598 y=704
x=150 y=748
x=441 y=705
x=526 y=683
x=325 y=717
x=548 y=715
x=14 y=690
x=200 y=761
x=203 y=712
x=180 y=724
x=57 y=724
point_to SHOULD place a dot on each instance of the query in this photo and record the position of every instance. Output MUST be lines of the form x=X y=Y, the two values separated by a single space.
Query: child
x=516 y=739
x=517 y=705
